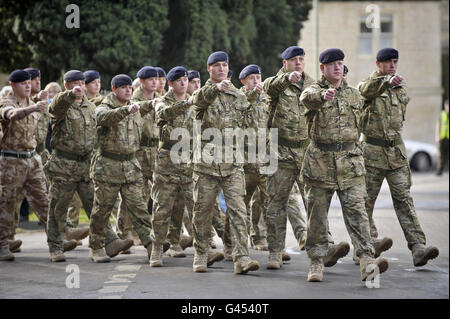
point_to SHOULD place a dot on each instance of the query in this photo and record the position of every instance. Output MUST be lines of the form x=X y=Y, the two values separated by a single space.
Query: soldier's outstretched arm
x=312 y=97
x=373 y=87
x=108 y=117
x=203 y=97
x=145 y=107
x=61 y=103
x=170 y=112
x=15 y=114
x=275 y=85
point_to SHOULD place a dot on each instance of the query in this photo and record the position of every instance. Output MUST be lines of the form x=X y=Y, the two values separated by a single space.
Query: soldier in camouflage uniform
x=219 y=106
x=148 y=77
x=386 y=99
x=334 y=163
x=20 y=166
x=115 y=167
x=287 y=114
x=161 y=90
x=172 y=189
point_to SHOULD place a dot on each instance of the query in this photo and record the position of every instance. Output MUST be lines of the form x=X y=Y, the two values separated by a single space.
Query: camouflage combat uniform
x=287 y=114
x=219 y=110
x=21 y=174
x=146 y=156
x=334 y=163
x=172 y=182
x=384 y=151
x=73 y=140
x=115 y=169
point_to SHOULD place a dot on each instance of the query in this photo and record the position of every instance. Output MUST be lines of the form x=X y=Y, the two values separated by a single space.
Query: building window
x=378 y=38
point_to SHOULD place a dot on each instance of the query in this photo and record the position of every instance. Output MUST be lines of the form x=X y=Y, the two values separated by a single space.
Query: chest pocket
x=354 y=105
x=324 y=114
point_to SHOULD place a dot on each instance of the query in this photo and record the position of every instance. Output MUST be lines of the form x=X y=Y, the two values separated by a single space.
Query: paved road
x=32 y=275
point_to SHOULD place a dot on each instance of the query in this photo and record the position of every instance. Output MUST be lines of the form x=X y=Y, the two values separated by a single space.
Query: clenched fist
x=41 y=106
x=224 y=85
x=396 y=80
x=329 y=94
x=77 y=91
x=133 y=108
x=43 y=95
x=295 y=76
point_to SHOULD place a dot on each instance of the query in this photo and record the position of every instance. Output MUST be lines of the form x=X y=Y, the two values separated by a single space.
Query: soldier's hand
x=329 y=94
x=41 y=106
x=77 y=91
x=190 y=101
x=133 y=108
x=295 y=76
x=258 y=88
x=155 y=101
x=43 y=95
x=224 y=85
x=396 y=80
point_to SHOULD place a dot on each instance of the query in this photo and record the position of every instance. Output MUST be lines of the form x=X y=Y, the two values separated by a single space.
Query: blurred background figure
x=442 y=138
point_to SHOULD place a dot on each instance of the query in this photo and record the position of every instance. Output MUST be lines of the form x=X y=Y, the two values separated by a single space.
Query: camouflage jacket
x=172 y=114
x=18 y=135
x=334 y=122
x=222 y=111
x=73 y=124
x=97 y=100
x=255 y=117
x=118 y=133
x=150 y=129
x=384 y=114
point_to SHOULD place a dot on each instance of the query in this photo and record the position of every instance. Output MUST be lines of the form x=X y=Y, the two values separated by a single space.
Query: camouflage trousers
x=355 y=217
x=124 y=225
x=206 y=190
x=105 y=195
x=170 y=197
x=73 y=212
x=279 y=187
x=399 y=181
x=17 y=177
x=255 y=181
x=61 y=194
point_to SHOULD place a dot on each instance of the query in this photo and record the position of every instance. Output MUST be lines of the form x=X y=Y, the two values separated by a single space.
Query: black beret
x=331 y=55
x=292 y=52
x=230 y=73
x=345 y=69
x=161 y=72
x=91 y=75
x=176 y=72
x=218 y=56
x=192 y=74
x=121 y=80
x=73 y=75
x=387 y=54
x=19 y=76
x=249 y=69
x=34 y=73
x=147 y=72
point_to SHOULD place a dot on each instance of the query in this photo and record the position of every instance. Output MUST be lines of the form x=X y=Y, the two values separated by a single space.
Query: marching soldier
x=386 y=99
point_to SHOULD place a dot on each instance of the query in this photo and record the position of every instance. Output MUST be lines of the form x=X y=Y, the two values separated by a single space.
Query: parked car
x=422 y=156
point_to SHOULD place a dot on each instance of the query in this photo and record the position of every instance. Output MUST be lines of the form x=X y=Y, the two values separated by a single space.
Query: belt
x=71 y=156
x=40 y=148
x=145 y=141
x=117 y=157
x=285 y=142
x=337 y=147
x=381 y=142
x=15 y=154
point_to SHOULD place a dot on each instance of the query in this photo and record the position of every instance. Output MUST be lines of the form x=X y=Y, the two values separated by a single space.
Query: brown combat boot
x=78 y=233
x=261 y=245
x=69 y=245
x=99 y=255
x=156 y=256
x=285 y=256
x=228 y=253
x=369 y=265
x=316 y=267
x=275 y=260
x=200 y=262
x=381 y=245
x=176 y=251
x=118 y=245
x=186 y=241
x=5 y=254
x=14 y=245
x=335 y=252
x=422 y=254
x=244 y=264
x=57 y=256
x=214 y=256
